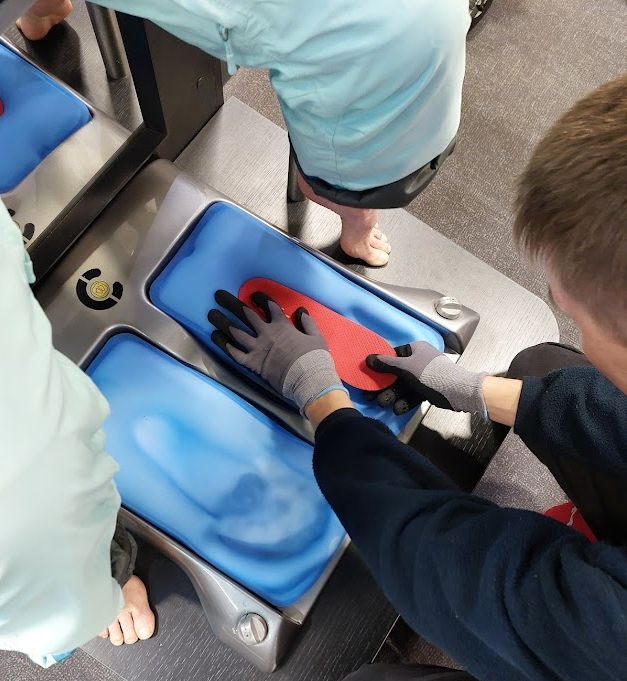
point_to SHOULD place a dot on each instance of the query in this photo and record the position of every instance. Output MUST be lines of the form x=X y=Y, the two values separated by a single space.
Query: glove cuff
x=310 y=377
x=462 y=388
x=470 y=397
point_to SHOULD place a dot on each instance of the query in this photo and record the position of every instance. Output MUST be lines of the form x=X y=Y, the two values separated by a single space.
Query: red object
x=1 y=107
x=349 y=343
x=569 y=515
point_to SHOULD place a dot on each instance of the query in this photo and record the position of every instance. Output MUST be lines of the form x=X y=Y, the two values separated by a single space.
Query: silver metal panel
x=52 y=185
x=138 y=231
x=245 y=156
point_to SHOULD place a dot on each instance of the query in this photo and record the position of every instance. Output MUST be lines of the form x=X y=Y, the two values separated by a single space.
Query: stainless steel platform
x=101 y=288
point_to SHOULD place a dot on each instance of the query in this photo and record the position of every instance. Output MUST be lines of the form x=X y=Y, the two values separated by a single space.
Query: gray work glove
x=292 y=357
x=424 y=373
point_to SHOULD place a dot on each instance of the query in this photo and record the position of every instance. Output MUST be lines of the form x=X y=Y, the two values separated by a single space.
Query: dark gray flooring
x=80 y=667
x=184 y=648
x=527 y=62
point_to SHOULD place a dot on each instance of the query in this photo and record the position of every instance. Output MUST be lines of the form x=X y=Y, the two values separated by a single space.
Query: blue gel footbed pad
x=38 y=116
x=208 y=469
x=229 y=246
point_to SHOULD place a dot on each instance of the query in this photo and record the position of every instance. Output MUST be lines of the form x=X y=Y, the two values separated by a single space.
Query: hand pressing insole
x=349 y=343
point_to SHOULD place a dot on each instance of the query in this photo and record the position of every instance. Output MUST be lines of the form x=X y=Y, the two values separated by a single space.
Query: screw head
x=252 y=629
x=448 y=307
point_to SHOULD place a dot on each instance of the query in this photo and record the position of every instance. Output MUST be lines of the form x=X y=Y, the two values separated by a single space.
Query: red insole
x=349 y=343
x=1 y=107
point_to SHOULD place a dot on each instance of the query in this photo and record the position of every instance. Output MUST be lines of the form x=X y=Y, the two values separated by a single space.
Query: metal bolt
x=448 y=307
x=252 y=629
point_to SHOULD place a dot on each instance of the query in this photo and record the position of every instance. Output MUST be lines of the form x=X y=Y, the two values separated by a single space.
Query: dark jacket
x=511 y=594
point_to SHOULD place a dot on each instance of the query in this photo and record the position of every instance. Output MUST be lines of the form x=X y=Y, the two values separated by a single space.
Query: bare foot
x=42 y=16
x=361 y=237
x=366 y=243
x=136 y=620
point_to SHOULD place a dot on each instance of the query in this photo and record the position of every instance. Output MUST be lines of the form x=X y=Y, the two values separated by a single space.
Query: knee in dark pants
x=542 y=359
x=525 y=361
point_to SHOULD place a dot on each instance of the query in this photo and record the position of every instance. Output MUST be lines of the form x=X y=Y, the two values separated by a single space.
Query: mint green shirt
x=370 y=90
x=58 y=501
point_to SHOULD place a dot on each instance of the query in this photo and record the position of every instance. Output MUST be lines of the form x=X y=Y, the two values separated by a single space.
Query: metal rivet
x=252 y=629
x=448 y=307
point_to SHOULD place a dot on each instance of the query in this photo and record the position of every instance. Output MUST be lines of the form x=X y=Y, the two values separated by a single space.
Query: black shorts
x=394 y=195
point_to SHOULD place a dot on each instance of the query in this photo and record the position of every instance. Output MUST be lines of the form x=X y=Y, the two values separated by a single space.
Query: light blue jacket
x=58 y=502
x=370 y=90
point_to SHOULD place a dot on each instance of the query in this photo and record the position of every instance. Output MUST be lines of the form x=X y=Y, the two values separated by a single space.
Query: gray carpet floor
x=528 y=61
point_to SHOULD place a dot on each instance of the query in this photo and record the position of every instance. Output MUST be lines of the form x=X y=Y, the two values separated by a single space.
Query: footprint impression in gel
x=349 y=342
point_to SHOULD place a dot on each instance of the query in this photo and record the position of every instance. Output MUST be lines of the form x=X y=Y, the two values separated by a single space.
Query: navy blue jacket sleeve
x=575 y=413
x=510 y=594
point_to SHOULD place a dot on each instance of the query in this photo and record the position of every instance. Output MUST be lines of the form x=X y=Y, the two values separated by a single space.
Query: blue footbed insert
x=38 y=116
x=229 y=246
x=213 y=472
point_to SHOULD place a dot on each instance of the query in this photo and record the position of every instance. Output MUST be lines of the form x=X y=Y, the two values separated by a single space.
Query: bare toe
x=144 y=624
x=136 y=602
x=115 y=633
x=367 y=243
x=381 y=245
x=128 y=628
x=374 y=257
x=378 y=258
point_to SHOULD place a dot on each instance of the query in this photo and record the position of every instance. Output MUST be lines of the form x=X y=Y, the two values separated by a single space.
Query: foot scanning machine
x=215 y=469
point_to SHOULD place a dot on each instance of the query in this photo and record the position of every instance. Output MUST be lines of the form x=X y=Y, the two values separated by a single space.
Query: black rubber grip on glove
x=234 y=305
x=407 y=391
x=223 y=336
